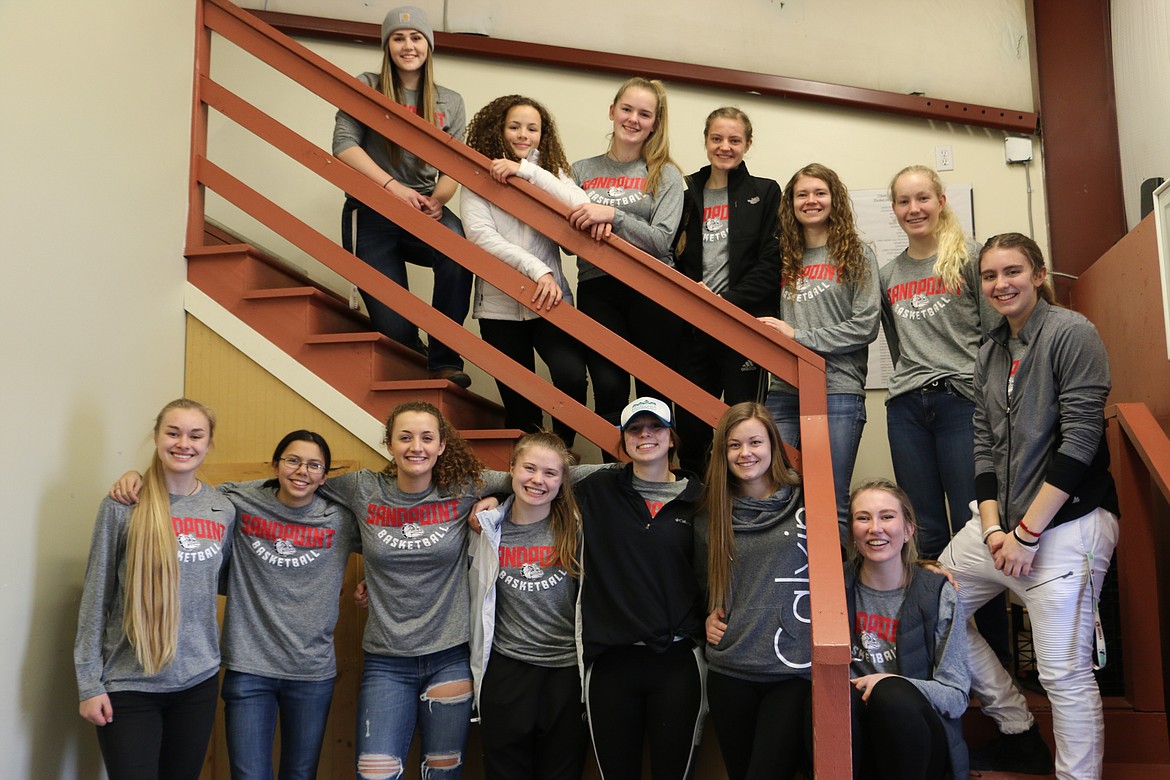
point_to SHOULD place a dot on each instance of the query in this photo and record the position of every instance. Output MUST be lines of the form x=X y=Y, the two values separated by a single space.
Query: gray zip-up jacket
x=1050 y=427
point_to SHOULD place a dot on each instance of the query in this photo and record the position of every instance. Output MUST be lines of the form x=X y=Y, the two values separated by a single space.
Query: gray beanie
x=408 y=17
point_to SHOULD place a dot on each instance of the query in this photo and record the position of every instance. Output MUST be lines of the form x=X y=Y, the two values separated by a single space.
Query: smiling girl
x=407 y=77
x=750 y=545
x=413 y=522
x=1045 y=524
x=640 y=604
x=934 y=319
x=520 y=137
x=525 y=578
x=909 y=666
x=291 y=551
x=147 y=648
x=829 y=303
x=637 y=189
x=726 y=242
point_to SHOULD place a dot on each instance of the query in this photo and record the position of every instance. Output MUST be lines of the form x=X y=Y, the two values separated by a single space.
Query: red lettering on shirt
x=424 y=514
x=299 y=535
x=930 y=286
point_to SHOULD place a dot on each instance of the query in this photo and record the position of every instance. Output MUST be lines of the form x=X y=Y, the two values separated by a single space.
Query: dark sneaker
x=1026 y=753
x=452 y=375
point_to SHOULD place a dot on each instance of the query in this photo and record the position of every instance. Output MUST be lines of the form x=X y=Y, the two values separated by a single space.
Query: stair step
x=494 y=447
x=463 y=408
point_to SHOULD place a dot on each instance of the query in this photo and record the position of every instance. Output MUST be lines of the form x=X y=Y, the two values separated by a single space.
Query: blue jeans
x=387 y=248
x=932 y=443
x=395 y=695
x=250 y=704
x=846 y=422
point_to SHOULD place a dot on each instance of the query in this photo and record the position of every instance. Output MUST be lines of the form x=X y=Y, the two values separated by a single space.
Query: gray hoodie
x=768 y=635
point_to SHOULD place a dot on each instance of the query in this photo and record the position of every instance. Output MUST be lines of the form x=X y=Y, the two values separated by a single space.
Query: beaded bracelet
x=1029 y=531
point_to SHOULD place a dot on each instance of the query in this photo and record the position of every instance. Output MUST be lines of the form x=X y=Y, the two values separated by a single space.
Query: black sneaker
x=1026 y=753
x=452 y=375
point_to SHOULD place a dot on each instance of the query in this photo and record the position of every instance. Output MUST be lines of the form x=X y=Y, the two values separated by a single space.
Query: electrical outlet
x=944 y=158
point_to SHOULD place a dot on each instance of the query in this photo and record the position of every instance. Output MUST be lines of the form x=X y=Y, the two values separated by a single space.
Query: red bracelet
x=1028 y=530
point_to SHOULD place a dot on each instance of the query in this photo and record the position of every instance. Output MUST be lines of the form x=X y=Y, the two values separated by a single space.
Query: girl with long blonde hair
x=147 y=649
x=934 y=319
x=749 y=541
x=525 y=578
x=406 y=77
x=636 y=190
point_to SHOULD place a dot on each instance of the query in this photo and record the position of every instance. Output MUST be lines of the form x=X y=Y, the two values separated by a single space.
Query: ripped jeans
x=394 y=696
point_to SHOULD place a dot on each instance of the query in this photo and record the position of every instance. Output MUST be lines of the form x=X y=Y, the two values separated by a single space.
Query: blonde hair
x=910 y=548
x=390 y=85
x=717 y=494
x=656 y=148
x=564 y=514
x=151 y=617
x=952 y=255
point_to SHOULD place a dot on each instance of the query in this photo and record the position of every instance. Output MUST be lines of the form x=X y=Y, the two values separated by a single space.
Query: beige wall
x=95 y=125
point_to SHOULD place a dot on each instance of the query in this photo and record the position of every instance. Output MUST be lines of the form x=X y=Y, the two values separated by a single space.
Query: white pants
x=1060 y=595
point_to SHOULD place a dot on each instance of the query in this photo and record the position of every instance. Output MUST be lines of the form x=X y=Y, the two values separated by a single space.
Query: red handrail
x=770 y=350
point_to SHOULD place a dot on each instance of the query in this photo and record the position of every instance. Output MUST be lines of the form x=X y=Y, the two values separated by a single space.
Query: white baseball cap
x=646 y=405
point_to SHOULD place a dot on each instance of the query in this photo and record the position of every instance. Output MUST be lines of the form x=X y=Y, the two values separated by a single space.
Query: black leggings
x=532 y=723
x=897 y=735
x=159 y=736
x=634 y=694
x=638 y=320
x=763 y=727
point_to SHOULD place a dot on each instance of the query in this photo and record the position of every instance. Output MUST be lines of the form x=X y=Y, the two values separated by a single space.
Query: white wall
x=95 y=130
x=926 y=46
x=1141 y=72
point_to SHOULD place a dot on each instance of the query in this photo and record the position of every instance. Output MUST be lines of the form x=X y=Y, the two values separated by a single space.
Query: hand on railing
x=548 y=293
x=501 y=169
x=779 y=325
x=594 y=218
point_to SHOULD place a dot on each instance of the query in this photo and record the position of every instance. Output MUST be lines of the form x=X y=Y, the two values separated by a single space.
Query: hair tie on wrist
x=1029 y=545
x=990 y=531
x=387 y=184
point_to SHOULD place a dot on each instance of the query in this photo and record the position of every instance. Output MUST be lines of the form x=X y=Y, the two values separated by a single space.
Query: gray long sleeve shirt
x=933 y=332
x=450 y=115
x=284 y=583
x=415 y=547
x=647 y=221
x=103 y=658
x=836 y=319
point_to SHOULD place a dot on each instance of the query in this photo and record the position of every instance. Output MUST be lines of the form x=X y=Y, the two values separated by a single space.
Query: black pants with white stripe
x=635 y=696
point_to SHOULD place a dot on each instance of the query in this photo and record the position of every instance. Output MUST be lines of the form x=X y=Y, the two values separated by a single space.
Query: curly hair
x=844 y=247
x=719 y=487
x=656 y=149
x=457 y=467
x=564 y=514
x=952 y=255
x=485 y=134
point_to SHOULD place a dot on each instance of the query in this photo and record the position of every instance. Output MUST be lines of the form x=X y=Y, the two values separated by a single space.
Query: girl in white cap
x=640 y=604
x=407 y=77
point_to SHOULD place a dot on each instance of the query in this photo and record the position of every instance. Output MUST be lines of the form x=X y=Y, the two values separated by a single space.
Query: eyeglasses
x=294 y=463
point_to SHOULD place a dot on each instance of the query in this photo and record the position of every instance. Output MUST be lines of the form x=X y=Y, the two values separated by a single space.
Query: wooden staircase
x=318 y=329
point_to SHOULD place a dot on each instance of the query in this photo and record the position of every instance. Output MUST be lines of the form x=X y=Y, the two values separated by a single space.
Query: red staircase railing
x=772 y=351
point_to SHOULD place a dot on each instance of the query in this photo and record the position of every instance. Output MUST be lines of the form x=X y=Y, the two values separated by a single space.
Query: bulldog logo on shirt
x=870 y=641
x=919 y=301
x=284 y=547
x=616 y=192
x=412 y=530
x=531 y=571
x=188 y=542
x=713 y=225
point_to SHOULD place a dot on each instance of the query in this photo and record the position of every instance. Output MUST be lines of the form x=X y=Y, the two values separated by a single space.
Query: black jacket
x=753 y=206
x=639 y=582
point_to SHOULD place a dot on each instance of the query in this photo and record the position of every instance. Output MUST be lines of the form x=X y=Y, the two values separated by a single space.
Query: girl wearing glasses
x=283 y=590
